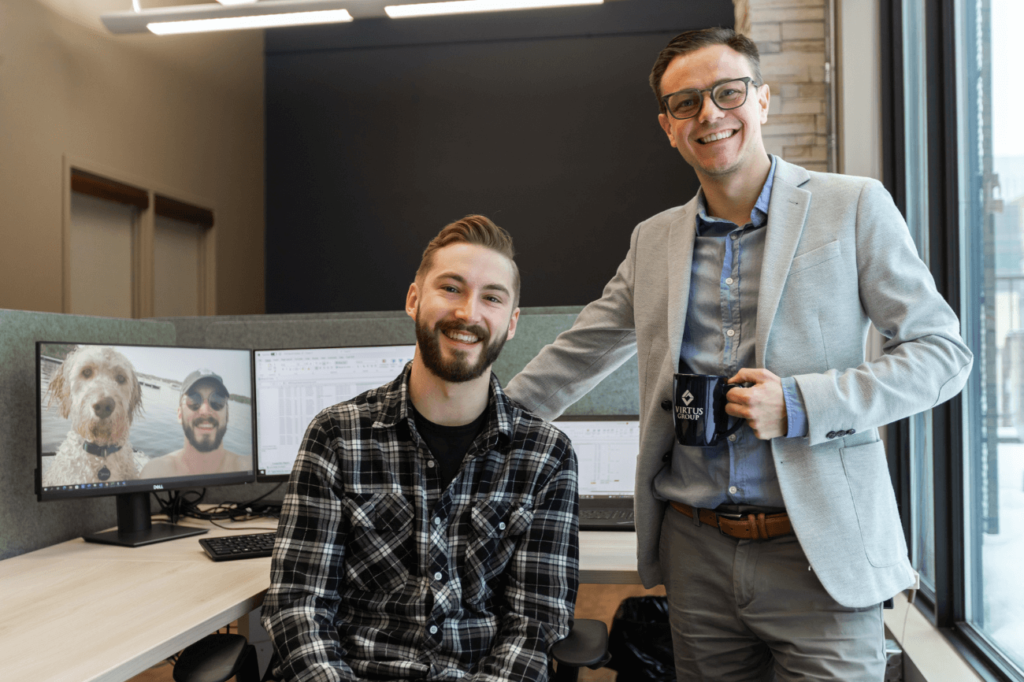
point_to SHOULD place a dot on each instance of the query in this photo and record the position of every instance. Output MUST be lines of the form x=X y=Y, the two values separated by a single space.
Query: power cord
x=180 y=504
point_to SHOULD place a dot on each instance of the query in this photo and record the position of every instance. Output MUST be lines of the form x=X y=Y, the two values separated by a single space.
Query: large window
x=991 y=179
x=955 y=164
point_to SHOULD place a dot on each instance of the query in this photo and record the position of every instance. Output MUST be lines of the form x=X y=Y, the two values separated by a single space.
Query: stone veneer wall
x=792 y=38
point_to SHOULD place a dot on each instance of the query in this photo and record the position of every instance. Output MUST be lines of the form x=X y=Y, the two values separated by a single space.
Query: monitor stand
x=135 y=528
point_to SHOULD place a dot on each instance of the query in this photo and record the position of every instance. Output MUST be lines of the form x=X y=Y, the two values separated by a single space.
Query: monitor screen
x=292 y=386
x=606 y=451
x=129 y=419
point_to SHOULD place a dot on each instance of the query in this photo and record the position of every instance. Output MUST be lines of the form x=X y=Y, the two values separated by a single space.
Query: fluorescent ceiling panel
x=162 y=28
x=216 y=17
x=471 y=6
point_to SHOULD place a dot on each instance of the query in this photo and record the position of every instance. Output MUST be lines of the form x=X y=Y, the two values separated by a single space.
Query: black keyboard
x=228 y=548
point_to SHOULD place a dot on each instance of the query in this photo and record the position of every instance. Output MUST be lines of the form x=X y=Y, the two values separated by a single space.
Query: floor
x=595 y=601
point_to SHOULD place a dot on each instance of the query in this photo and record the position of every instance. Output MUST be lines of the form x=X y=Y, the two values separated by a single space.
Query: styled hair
x=691 y=41
x=473 y=229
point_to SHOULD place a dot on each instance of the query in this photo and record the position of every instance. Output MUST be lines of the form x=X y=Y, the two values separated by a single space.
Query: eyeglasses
x=195 y=400
x=727 y=95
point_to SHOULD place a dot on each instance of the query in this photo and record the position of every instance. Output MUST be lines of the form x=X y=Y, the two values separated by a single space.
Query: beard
x=207 y=442
x=457 y=369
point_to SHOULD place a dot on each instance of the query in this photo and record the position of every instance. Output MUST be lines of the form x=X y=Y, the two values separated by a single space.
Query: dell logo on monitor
x=157 y=486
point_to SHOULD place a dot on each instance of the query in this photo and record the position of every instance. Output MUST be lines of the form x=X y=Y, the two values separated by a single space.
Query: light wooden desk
x=79 y=611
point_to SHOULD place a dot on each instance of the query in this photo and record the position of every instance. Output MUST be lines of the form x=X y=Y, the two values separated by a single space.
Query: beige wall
x=182 y=114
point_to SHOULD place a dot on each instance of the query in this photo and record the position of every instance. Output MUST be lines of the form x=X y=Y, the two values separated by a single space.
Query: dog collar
x=100 y=450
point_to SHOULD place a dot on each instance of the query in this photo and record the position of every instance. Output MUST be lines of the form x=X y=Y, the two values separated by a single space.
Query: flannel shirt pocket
x=497 y=526
x=377 y=553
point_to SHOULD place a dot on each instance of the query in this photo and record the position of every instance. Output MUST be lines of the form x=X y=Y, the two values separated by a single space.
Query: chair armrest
x=586 y=645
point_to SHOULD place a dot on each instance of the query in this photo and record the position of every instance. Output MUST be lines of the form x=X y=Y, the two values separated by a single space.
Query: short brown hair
x=691 y=41
x=473 y=229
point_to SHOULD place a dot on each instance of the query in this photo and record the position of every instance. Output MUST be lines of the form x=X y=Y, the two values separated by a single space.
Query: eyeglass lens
x=687 y=103
x=195 y=401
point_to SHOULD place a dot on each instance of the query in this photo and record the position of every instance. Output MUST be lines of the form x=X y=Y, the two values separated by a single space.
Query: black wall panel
x=378 y=137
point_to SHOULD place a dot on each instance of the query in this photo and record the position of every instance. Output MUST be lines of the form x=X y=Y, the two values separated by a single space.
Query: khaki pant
x=744 y=610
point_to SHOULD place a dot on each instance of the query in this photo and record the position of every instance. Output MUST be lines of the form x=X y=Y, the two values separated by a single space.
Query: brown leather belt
x=743 y=527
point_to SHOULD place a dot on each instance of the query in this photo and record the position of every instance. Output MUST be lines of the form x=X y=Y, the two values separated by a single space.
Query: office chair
x=218 y=658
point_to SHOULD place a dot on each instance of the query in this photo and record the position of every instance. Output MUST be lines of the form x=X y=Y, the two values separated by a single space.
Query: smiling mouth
x=715 y=137
x=461 y=336
x=205 y=425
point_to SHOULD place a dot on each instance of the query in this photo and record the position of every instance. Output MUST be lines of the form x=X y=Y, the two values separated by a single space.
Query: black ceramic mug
x=698 y=408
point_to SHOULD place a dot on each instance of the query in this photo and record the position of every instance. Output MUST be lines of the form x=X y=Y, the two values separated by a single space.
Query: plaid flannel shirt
x=378 y=573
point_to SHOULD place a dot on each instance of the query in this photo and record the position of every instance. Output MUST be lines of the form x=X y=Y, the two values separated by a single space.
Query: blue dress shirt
x=719 y=338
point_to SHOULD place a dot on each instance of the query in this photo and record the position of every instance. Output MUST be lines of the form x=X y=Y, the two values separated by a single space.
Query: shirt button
x=433 y=629
x=437 y=521
x=830 y=434
x=430 y=464
x=728 y=280
x=732 y=438
x=733 y=490
x=734 y=236
x=501 y=526
x=731 y=332
x=437 y=576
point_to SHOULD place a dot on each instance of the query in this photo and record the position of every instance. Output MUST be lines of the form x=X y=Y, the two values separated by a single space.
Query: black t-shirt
x=448 y=444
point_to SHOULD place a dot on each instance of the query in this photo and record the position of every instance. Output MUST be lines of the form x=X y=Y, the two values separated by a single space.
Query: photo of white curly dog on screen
x=122 y=413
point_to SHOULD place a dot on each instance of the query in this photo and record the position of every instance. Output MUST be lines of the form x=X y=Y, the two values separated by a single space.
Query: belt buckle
x=732 y=516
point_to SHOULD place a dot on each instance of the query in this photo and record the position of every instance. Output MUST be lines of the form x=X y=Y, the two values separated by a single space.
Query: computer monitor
x=606 y=451
x=293 y=385
x=128 y=420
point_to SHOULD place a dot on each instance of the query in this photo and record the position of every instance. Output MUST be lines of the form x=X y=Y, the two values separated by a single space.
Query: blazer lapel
x=787 y=212
x=680 y=261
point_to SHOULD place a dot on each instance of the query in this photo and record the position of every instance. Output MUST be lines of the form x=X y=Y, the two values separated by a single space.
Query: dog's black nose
x=103 y=408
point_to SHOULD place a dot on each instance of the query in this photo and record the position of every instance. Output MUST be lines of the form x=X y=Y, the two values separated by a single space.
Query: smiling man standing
x=429 y=531
x=778 y=546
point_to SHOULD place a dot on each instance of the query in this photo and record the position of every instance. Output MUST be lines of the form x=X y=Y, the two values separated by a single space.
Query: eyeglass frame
x=747 y=82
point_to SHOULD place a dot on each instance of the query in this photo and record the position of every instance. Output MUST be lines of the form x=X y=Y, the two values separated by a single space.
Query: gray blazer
x=837 y=257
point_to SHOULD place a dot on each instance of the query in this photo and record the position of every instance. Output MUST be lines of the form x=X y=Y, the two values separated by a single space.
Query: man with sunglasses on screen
x=778 y=545
x=203 y=415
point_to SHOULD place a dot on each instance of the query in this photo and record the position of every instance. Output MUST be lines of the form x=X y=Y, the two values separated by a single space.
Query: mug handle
x=740 y=421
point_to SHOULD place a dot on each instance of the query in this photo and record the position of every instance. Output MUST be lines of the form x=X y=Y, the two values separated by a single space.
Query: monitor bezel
x=281 y=478
x=150 y=485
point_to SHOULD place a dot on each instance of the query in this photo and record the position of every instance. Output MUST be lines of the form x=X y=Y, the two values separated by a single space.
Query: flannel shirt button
x=733 y=490
x=437 y=576
x=433 y=629
x=437 y=521
x=501 y=526
x=430 y=464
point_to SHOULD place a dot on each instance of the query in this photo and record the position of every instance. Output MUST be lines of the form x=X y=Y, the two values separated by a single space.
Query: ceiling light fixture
x=215 y=17
x=469 y=6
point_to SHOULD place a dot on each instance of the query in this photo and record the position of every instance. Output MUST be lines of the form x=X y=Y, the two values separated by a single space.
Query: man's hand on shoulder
x=763 y=405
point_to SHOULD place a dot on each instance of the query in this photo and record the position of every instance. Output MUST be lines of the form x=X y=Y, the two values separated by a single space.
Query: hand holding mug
x=763 y=404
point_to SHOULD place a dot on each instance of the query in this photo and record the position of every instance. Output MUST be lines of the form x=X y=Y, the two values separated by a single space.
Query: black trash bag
x=640 y=641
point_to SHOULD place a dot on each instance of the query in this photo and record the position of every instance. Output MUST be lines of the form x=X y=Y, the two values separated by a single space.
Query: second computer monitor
x=294 y=385
x=606 y=451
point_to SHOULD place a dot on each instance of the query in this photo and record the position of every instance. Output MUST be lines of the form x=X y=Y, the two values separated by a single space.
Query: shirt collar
x=393 y=399
x=758 y=215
